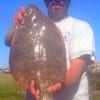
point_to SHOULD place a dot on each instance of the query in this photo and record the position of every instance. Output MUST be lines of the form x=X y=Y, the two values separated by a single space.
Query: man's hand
x=19 y=17
x=51 y=89
x=34 y=91
x=54 y=88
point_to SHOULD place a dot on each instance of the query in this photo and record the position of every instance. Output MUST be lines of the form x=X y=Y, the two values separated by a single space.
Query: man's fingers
x=19 y=17
x=15 y=21
x=37 y=94
x=54 y=87
x=23 y=11
x=32 y=87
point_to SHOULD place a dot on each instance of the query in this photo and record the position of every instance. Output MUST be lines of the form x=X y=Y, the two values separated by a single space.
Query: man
x=79 y=43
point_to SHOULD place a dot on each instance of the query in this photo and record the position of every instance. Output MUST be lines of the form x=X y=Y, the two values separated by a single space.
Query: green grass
x=96 y=95
x=96 y=98
x=8 y=88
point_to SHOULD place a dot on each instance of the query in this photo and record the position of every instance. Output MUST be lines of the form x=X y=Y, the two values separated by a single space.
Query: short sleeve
x=82 y=42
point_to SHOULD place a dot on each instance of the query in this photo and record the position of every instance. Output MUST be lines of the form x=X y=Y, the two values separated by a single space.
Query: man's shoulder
x=79 y=26
x=80 y=23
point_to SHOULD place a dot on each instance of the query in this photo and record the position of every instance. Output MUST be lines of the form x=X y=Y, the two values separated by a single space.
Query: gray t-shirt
x=79 y=40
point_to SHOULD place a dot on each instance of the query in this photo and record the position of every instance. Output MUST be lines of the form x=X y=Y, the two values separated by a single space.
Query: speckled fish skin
x=37 y=51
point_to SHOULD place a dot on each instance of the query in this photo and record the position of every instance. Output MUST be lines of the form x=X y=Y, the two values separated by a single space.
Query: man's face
x=57 y=9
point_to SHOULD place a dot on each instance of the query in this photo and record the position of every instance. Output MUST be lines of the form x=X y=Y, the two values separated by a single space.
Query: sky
x=87 y=10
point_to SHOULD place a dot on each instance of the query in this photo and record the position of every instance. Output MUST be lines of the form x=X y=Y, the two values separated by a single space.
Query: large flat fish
x=37 y=52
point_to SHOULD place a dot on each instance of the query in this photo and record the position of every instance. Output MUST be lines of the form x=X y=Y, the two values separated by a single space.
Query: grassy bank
x=8 y=88
x=10 y=91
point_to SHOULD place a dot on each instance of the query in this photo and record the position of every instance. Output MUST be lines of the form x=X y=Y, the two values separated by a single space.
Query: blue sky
x=88 y=10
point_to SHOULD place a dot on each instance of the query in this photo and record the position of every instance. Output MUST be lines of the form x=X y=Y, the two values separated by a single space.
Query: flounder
x=38 y=52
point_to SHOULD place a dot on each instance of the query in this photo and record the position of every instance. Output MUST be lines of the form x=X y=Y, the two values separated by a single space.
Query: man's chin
x=55 y=18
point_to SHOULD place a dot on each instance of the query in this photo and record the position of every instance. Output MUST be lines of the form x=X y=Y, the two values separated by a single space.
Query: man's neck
x=57 y=19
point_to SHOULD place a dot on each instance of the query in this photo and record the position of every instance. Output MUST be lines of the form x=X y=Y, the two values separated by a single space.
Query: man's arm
x=9 y=37
x=18 y=19
x=76 y=69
